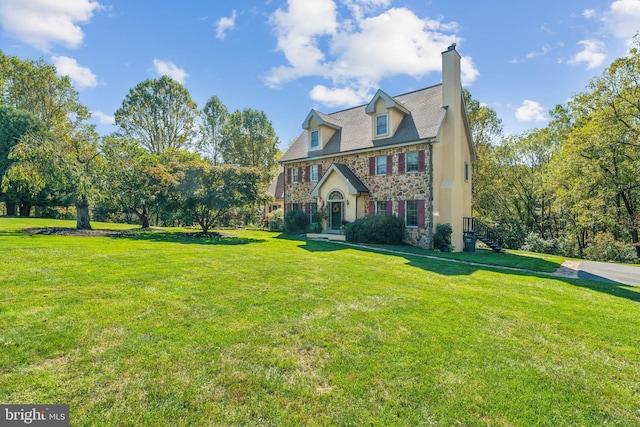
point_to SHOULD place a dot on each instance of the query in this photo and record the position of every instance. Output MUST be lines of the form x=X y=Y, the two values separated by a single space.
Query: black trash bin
x=469 y=244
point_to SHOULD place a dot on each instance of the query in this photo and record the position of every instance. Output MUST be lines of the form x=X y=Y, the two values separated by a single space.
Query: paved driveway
x=607 y=272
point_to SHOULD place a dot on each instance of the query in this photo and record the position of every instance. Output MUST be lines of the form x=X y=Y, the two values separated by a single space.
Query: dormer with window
x=320 y=128
x=386 y=115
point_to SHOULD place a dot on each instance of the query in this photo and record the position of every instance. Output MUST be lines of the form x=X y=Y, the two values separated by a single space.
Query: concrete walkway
x=585 y=270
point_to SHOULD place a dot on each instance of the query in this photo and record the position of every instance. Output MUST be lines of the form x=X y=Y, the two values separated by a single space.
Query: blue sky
x=520 y=58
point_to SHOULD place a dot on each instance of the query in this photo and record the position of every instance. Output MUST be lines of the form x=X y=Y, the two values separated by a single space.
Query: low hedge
x=387 y=229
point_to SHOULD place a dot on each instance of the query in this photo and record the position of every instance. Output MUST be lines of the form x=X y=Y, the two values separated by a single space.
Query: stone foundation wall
x=394 y=187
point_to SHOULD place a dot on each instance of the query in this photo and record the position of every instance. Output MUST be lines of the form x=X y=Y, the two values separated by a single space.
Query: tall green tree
x=600 y=158
x=250 y=141
x=214 y=117
x=159 y=114
x=133 y=178
x=34 y=86
x=73 y=164
x=14 y=125
x=486 y=131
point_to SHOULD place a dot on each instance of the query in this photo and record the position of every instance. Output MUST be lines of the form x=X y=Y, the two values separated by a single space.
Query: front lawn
x=512 y=259
x=262 y=329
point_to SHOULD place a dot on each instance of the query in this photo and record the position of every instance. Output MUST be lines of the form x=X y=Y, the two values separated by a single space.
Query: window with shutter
x=421 y=161
x=411 y=213
x=412 y=162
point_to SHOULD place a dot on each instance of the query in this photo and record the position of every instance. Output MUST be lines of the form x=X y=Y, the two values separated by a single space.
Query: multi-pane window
x=381 y=208
x=382 y=125
x=315 y=139
x=294 y=175
x=313 y=171
x=381 y=165
x=411 y=213
x=412 y=161
x=466 y=171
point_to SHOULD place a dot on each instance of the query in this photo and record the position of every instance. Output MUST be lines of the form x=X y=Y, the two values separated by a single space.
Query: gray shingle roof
x=352 y=178
x=276 y=189
x=427 y=114
x=355 y=185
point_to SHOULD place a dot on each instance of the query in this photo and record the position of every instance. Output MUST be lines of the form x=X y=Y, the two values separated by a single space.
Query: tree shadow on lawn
x=187 y=238
x=451 y=267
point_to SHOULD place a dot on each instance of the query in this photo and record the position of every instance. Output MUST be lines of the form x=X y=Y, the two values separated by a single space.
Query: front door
x=336 y=215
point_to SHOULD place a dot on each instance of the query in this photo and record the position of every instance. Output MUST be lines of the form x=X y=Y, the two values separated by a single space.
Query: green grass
x=514 y=259
x=262 y=329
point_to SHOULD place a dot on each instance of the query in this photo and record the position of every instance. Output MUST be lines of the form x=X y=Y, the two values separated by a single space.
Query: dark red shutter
x=308 y=174
x=372 y=208
x=289 y=175
x=401 y=209
x=288 y=207
x=389 y=207
x=421 y=213
x=421 y=161
x=299 y=174
x=400 y=163
x=269 y=209
x=308 y=207
x=389 y=164
x=319 y=172
x=372 y=165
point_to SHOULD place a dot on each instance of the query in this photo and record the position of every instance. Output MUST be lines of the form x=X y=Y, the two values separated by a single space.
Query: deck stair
x=487 y=235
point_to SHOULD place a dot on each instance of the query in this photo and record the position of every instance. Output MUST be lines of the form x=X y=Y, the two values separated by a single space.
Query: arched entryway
x=336 y=210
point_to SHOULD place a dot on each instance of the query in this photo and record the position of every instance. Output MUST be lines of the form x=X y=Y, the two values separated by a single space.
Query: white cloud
x=360 y=8
x=170 y=69
x=225 y=24
x=356 y=52
x=592 y=54
x=43 y=23
x=531 y=111
x=79 y=75
x=623 y=18
x=338 y=96
x=103 y=119
x=589 y=13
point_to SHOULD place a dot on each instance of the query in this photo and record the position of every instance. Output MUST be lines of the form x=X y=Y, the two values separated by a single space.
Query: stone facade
x=394 y=187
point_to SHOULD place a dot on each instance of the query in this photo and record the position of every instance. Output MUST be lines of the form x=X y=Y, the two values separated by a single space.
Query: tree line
x=572 y=187
x=169 y=162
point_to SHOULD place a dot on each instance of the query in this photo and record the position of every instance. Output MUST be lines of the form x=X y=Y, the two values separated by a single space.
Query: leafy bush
x=568 y=246
x=276 y=220
x=387 y=229
x=605 y=247
x=535 y=243
x=442 y=237
x=295 y=222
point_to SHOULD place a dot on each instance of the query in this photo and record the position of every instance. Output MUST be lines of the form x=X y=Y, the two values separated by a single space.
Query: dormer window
x=382 y=125
x=315 y=139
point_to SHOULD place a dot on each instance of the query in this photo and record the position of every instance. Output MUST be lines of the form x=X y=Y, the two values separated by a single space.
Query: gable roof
x=276 y=189
x=422 y=123
x=355 y=185
x=389 y=103
x=321 y=119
